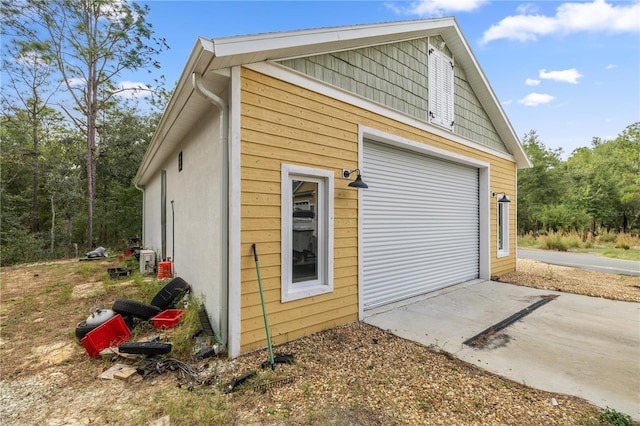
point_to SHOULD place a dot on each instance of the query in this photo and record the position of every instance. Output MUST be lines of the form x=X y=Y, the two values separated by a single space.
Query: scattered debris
x=237 y=381
x=118 y=371
x=278 y=359
x=118 y=272
x=264 y=387
x=97 y=253
x=150 y=348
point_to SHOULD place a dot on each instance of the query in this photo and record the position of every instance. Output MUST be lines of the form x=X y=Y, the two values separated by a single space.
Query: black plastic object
x=119 y=272
x=145 y=348
x=279 y=359
x=171 y=293
x=237 y=381
x=205 y=324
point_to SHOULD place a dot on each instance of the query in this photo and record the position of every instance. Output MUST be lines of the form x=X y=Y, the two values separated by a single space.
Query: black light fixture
x=503 y=197
x=358 y=183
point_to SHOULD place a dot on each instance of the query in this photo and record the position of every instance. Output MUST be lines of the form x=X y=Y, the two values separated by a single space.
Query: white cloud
x=531 y=82
x=566 y=76
x=597 y=16
x=132 y=89
x=76 y=82
x=438 y=7
x=610 y=67
x=535 y=99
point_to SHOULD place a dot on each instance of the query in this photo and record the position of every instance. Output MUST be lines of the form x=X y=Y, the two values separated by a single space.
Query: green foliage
x=553 y=241
x=596 y=188
x=183 y=341
x=613 y=417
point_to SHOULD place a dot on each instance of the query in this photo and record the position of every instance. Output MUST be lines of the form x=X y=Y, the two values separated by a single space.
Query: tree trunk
x=35 y=224
x=53 y=226
x=91 y=185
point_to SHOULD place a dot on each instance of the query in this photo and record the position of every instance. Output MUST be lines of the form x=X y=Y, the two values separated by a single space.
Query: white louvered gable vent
x=440 y=89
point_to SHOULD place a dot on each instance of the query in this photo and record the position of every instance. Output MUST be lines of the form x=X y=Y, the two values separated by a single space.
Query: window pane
x=305 y=231
x=500 y=227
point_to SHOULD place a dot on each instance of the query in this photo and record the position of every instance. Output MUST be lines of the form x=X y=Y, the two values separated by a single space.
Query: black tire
x=137 y=309
x=82 y=329
x=170 y=293
x=129 y=321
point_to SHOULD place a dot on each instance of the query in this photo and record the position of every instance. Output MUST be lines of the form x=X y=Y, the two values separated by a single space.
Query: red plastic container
x=108 y=334
x=165 y=270
x=168 y=318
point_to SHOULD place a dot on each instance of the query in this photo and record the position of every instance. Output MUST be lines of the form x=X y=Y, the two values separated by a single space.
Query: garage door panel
x=420 y=224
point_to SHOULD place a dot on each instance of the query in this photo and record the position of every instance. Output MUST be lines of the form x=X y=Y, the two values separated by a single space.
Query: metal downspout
x=143 y=226
x=219 y=103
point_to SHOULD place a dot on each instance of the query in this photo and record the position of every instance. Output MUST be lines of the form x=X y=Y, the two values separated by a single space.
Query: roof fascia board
x=479 y=82
x=316 y=41
x=199 y=60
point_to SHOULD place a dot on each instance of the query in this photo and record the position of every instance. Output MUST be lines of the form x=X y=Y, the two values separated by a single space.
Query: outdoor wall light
x=503 y=197
x=358 y=183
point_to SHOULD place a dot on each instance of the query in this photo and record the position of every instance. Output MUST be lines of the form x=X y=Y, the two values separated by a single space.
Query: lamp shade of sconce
x=358 y=183
x=502 y=197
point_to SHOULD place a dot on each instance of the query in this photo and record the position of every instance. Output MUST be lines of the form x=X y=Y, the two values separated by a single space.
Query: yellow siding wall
x=283 y=123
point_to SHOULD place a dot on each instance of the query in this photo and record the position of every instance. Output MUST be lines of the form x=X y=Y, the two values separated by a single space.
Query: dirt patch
x=352 y=374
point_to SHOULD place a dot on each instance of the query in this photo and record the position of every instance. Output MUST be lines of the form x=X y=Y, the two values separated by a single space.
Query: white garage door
x=420 y=228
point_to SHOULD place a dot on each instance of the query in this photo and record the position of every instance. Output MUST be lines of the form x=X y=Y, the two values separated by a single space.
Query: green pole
x=264 y=311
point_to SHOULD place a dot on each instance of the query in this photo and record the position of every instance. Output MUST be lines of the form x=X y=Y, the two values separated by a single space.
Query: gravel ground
x=354 y=374
x=531 y=273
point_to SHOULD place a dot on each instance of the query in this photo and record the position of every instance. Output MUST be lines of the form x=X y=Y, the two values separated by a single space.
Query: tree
x=31 y=88
x=91 y=42
x=539 y=186
x=127 y=133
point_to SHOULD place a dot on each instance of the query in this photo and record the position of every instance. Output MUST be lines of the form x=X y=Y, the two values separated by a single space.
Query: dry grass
x=355 y=374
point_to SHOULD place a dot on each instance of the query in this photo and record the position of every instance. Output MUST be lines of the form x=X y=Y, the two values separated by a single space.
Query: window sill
x=303 y=291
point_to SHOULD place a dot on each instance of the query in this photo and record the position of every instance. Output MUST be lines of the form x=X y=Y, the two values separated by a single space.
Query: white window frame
x=324 y=209
x=502 y=222
x=441 y=89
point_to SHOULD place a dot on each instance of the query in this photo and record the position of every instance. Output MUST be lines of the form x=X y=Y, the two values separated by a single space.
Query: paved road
x=583 y=261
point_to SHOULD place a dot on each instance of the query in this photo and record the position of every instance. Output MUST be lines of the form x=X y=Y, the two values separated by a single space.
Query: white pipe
x=217 y=101
x=143 y=226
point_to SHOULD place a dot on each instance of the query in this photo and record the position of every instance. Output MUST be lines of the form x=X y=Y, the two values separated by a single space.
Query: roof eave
x=198 y=61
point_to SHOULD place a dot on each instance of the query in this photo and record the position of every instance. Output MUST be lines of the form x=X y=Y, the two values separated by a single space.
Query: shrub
x=626 y=241
x=527 y=240
x=613 y=417
x=606 y=237
x=552 y=242
x=572 y=240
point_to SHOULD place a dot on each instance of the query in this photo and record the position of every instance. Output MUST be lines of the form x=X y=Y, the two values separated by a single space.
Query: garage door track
x=572 y=344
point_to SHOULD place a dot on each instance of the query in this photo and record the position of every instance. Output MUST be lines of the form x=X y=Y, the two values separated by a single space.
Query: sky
x=568 y=70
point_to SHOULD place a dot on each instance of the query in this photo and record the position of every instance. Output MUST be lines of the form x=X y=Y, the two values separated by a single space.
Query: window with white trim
x=503 y=229
x=441 y=84
x=307 y=232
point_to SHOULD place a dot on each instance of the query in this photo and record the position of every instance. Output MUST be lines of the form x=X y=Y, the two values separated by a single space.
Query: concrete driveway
x=577 y=345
